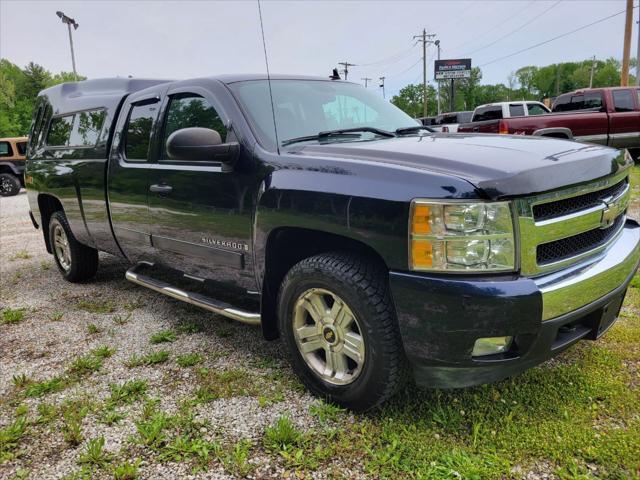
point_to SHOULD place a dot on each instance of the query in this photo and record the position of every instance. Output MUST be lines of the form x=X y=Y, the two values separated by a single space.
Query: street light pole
x=382 y=86
x=70 y=21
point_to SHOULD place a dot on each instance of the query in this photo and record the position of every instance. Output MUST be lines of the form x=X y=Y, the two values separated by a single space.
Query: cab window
x=86 y=128
x=535 y=109
x=186 y=111
x=488 y=113
x=5 y=149
x=622 y=100
x=22 y=148
x=516 y=110
x=138 y=131
x=60 y=131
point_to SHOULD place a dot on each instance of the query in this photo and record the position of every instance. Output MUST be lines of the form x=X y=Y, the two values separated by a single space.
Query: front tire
x=9 y=185
x=337 y=319
x=76 y=261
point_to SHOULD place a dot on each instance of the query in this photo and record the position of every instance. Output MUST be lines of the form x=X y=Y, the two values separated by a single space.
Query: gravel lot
x=42 y=347
x=177 y=392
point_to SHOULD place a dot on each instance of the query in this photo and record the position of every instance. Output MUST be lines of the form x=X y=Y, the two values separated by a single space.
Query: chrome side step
x=202 y=301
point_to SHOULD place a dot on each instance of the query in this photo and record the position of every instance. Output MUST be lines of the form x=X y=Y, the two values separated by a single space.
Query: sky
x=184 y=39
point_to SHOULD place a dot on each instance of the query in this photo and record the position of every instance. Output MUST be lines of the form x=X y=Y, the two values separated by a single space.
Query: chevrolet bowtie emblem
x=608 y=216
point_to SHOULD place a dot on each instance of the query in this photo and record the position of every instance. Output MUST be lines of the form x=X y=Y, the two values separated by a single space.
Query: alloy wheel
x=61 y=247
x=328 y=336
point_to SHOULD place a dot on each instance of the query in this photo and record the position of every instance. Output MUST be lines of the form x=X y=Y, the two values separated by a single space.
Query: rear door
x=133 y=153
x=201 y=210
x=625 y=118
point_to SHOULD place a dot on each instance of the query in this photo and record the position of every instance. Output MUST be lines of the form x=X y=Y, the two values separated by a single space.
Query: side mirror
x=201 y=144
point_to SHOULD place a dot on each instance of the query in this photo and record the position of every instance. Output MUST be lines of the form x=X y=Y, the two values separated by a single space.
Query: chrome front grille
x=560 y=228
x=546 y=211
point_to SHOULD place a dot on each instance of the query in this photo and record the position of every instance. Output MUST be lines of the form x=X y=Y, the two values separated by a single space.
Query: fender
x=16 y=168
x=554 y=131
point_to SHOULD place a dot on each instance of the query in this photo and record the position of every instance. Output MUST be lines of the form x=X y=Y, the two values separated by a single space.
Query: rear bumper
x=441 y=317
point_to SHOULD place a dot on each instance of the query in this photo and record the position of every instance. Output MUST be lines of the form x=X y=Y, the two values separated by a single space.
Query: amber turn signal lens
x=420 y=220
x=422 y=253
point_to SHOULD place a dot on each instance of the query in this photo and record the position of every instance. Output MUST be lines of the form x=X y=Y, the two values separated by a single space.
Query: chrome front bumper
x=569 y=289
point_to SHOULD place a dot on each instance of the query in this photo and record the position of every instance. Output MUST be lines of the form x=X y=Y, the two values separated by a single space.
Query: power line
x=554 y=38
x=526 y=24
x=391 y=58
x=496 y=26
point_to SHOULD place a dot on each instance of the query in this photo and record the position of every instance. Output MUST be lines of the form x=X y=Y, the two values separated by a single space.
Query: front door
x=201 y=211
x=132 y=155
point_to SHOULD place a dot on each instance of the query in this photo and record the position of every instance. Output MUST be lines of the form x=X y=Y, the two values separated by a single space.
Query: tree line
x=526 y=83
x=19 y=88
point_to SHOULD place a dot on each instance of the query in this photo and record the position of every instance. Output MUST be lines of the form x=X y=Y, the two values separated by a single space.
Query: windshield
x=308 y=107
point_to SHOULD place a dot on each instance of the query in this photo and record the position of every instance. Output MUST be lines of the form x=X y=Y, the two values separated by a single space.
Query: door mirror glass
x=199 y=144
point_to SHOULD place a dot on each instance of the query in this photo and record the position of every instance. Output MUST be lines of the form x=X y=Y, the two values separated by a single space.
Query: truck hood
x=499 y=165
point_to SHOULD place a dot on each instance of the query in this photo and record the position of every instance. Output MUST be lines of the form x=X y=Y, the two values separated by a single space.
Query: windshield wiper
x=405 y=130
x=342 y=131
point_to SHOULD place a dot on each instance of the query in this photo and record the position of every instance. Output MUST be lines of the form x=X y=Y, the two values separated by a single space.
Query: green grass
x=85 y=365
x=94 y=453
x=127 y=470
x=96 y=306
x=11 y=316
x=56 y=316
x=163 y=336
x=189 y=360
x=128 y=392
x=93 y=329
x=20 y=255
x=282 y=435
x=44 y=387
x=11 y=436
x=152 y=358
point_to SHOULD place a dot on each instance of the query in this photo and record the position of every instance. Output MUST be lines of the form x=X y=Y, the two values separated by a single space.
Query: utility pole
x=346 y=66
x=425 y=39
x=437 y=43
x=366 y=81
x=70 y=21
x=638 y=52
x=626 y=49
x=382 y=86
x=593 y=67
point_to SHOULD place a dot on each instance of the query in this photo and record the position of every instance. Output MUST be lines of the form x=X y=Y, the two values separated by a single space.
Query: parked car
x=12 y=160
x=448 y=122
x=497 y=111
x=371 y=246
x=606 y=116
x=427 y=121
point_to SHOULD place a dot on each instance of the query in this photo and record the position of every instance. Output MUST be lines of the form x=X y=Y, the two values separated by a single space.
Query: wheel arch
x=48 y=204
x=556 y=132
x=286 y=246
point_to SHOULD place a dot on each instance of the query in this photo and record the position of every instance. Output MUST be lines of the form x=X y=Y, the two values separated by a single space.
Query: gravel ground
x=241 y=386
x=42 y=347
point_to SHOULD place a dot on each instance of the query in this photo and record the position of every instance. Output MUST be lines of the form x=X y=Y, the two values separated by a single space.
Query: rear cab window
x=22 y=148
x=623 y=101
x=516 y=110
x=138 y=131
x=488 y=113
x=80 y=129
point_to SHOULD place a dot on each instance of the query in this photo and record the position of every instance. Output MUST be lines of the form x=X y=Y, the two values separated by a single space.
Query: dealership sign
x=448 y=69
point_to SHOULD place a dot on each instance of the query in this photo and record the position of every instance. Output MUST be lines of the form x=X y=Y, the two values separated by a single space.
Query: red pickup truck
x=608 y=116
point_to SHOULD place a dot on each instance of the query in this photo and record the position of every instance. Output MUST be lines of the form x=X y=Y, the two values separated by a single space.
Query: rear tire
x=9 y=185
x=76 y=261
x=317 y=297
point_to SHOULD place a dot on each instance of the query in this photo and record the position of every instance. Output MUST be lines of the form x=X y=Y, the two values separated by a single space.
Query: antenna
x=266 y=61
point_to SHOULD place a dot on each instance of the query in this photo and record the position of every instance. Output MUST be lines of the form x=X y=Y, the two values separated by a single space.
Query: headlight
x=461 y=236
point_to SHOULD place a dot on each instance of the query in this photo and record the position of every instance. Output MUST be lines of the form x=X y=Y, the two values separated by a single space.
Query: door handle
x=161 y=189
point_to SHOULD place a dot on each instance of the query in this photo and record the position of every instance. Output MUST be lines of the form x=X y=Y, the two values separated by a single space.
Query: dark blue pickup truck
x=372 y=246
